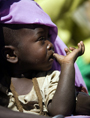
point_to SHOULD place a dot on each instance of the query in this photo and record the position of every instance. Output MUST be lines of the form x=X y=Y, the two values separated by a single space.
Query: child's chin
x=49 y=68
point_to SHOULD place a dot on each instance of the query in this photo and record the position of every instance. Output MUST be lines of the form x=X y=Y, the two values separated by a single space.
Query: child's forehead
x=34 y=28
x=20 y=26
x=19 y=31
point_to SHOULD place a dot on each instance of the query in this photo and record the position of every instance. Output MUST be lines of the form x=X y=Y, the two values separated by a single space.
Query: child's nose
x=50 y=46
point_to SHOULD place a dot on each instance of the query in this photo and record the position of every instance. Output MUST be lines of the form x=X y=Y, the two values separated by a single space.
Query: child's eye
x=41 y=39
x=49 y=36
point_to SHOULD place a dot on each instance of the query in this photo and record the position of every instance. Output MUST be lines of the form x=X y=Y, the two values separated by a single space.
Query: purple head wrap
x=29 y=12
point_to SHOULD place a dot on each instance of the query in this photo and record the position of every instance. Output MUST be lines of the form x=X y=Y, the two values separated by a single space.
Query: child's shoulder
x=48 y=77
x=53 y=72
x=53 y=75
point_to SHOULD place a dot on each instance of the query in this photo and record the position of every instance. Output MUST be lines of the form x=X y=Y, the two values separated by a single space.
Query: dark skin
x=4 y=112
x=67 y=70
x=39 y=58
x=35 y=53
x=7 y=113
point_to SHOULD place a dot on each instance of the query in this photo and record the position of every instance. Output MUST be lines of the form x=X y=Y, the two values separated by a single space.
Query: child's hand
x=71 y=54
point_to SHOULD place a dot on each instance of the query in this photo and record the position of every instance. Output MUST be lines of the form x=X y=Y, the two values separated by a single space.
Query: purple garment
x=79 y=116
x=29 y=12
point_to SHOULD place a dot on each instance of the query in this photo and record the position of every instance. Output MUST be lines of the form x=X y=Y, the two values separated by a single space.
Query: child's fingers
x=79 y=45
x=72 y=48
x=83 y=47
x=67 y=51
x=55 y=55
x=58 y=57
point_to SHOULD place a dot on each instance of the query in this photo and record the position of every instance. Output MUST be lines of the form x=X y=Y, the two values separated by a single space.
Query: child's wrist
x=69 y=64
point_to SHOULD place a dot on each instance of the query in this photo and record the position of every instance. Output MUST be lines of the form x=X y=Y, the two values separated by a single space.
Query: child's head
x=26 y=14
x=29 y=12
x=28 y=46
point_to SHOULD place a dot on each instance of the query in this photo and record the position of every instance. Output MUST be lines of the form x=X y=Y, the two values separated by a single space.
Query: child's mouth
x=51 y=58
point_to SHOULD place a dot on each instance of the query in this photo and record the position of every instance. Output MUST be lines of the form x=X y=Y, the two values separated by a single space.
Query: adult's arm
x=7 y=113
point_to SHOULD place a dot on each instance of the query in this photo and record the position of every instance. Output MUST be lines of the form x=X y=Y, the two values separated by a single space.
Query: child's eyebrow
x=40 y=32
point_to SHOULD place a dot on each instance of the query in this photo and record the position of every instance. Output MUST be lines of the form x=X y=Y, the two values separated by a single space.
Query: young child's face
x=35 y=49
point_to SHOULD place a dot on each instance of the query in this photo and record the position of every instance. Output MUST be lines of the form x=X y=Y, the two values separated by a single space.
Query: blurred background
x=72 y=18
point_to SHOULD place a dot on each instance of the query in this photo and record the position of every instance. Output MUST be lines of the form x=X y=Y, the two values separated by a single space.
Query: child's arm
x=63 y=101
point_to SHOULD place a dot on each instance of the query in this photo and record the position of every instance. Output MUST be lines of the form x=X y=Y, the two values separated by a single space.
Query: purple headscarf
x=29 y=12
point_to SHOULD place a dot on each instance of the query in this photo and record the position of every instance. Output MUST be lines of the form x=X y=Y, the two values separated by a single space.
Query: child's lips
x=51 y=58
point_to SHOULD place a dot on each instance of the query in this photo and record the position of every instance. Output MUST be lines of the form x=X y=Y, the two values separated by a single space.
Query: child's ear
x=9 y=54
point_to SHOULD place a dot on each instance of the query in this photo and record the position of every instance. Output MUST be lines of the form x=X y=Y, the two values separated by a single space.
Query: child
x=22 y=65
x=15 y=11
x=31 y=57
